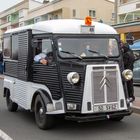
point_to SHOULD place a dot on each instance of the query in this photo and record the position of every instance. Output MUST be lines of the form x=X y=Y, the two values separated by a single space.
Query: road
x=21 y=126
x=137 y=91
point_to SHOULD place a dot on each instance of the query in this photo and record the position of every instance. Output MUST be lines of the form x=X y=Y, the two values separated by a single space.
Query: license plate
x=87 y=29
x=106 y=107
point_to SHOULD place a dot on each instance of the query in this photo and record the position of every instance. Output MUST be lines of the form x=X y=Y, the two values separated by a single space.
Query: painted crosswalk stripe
x=4 y=136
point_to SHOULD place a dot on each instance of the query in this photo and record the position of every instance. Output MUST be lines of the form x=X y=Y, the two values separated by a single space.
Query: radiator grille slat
x=112 y=90
x=105 y=84
x=98 y=96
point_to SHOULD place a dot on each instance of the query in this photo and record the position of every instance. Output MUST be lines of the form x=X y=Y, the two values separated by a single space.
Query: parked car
x=136 y=71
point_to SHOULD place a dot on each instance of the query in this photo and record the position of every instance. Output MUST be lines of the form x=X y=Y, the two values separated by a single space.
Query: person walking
x=1 y=62
x=129 y=59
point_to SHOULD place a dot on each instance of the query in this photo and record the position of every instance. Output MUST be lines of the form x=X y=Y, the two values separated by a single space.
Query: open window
x=11 y=47
x=7 y=47
x=43 y=46
x=15 y=47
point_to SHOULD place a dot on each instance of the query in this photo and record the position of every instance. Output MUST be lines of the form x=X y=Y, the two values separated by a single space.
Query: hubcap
x=41 y=111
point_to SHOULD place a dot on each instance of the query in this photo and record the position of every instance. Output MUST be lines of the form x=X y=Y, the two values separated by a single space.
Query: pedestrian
x=129 y=59
x=1 y=62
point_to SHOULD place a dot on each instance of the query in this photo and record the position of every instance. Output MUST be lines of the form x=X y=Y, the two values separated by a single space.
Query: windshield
x=84 y=48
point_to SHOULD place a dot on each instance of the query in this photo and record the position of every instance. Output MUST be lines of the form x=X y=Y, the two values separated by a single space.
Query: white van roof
x=65 y=26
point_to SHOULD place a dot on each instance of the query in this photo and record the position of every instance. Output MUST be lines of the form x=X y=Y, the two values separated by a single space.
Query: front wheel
x=12 y=106
x=43 y=120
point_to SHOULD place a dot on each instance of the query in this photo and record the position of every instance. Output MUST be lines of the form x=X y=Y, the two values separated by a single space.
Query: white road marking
x=4 y=136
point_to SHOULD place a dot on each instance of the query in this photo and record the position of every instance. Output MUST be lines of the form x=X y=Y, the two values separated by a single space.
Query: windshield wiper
x=93 y=51
x=73 y=54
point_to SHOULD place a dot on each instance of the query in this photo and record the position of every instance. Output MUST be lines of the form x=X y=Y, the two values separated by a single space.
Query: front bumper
x=99 y=116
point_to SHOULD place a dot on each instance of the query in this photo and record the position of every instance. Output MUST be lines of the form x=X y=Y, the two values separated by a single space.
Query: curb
x=136 y=105
x=136 y=109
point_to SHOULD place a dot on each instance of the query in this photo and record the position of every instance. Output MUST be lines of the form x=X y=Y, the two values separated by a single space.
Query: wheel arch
x=5 y=91
x=44 y=95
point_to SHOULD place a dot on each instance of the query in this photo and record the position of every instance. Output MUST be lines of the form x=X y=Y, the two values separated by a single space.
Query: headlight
x=127 y=74
x=73 y=77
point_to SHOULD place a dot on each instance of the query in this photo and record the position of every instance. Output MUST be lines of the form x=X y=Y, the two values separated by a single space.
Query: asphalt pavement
x=21 y=126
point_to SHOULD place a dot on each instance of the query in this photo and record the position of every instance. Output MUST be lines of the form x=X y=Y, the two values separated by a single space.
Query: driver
x=41 y=58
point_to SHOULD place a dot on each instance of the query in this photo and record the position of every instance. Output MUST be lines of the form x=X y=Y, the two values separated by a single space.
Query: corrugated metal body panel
x=11 y=68
x=20 y=63
x=48 y=75
x=21 y=93
x=73 y=93
x=23 y=55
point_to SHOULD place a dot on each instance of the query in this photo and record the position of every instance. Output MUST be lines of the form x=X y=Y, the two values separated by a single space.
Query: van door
x=24 y=55
x=46 y=74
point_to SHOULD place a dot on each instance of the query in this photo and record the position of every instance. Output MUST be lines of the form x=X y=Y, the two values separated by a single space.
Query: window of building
x=74 y=13
x=7 y=47
x=30 y=22
x=15 y=17
x=8 y=27
x=55 y=16
x=129 y=17
x=92 y=13
x=37 y=19
x=137 y=5
x=21 y=24
x=123 y=1
x=113 y=15
x=44 y=17
x=21 y=14
x=8 y=18
x=122 y=18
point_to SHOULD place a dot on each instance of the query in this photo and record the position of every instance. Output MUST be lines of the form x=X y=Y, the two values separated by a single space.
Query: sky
x=4 y=4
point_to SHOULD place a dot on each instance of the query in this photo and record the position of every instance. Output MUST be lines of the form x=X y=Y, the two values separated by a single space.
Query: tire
x=11 y=106
x=43 y=120
x=117 y=118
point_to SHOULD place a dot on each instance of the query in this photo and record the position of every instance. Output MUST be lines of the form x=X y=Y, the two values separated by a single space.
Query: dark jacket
x=1 y=57
x=128 y=57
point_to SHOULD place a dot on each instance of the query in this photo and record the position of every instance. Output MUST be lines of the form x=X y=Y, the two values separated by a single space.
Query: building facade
x=128 y=17
x=74 y=9
x=128 y=11
x=32 y=11
x=13 y=17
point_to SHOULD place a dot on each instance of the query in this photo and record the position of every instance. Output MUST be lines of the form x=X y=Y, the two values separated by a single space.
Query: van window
x=43 y=46
x=83 y=47
x=7 y=47
x=46 y=45
x=15 y=47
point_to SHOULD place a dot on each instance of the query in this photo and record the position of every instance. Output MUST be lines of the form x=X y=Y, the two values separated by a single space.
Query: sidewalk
x=136 y=105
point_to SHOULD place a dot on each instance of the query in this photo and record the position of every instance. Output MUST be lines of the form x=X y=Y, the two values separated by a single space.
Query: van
x=85 y=80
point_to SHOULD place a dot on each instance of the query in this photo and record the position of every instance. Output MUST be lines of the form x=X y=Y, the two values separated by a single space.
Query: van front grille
x=105 y=84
